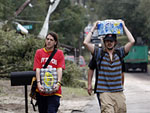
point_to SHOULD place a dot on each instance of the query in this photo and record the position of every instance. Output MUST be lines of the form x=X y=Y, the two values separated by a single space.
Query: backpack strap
x=33 y=93
x=121 y=59
x=33 y=105
x=119 y=54
x=50 y=57
x=98 y=66
x=102 y=54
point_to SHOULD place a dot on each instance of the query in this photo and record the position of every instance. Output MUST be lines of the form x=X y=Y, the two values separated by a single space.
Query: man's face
x=110 y=44
x=50 y=42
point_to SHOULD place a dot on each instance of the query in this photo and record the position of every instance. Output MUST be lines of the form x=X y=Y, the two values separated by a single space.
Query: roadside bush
x=17 y=51
x=72 y=74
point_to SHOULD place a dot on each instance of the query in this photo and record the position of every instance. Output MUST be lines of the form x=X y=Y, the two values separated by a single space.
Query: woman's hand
x=40 y=87
x=56 y=87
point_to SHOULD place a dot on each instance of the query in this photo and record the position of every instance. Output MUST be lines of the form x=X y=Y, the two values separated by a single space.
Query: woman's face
x=50 y=42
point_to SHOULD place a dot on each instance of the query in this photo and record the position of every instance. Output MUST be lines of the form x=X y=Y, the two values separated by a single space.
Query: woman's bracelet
x=59 y=83
x=38 y=81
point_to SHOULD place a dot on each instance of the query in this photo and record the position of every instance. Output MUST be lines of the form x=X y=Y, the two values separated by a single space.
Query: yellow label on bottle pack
x=48 y=79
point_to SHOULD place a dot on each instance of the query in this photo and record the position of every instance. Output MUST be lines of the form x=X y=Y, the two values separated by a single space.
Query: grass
x=69 y=92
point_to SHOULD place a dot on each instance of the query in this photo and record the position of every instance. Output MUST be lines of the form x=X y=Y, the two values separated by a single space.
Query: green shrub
x=72 y=74
x=17 y=51
x=77 y=83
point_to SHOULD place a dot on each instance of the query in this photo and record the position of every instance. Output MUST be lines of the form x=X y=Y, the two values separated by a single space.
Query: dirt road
x=12 y=100
x=137 y=93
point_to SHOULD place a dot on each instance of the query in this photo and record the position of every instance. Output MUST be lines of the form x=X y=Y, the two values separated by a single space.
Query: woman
x=49 y=103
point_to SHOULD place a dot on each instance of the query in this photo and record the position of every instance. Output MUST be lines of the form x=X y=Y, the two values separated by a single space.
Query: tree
x=72 y=22
x=145 y=21
x=6 y=9
x=17 y=52
x=134 y=13
x=68 y=20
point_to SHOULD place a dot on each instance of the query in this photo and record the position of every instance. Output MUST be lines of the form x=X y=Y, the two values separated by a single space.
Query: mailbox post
x=22 y=79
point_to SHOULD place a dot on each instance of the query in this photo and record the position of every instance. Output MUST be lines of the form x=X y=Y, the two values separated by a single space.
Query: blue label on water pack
x=110 y=27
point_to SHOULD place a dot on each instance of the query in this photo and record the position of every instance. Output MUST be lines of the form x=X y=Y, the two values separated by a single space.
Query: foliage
x=72 y=74
x=6 y=9
x=35 y=15
x=17 y=54
x=70 y=92
x=17 y=51
x=30 y=15
x=144 y=14
x=73 y=22
x=133 y=12
x=67 y=20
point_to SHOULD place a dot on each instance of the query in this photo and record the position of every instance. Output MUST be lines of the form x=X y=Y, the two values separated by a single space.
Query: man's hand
x=87 y=39
x=95 y=25
x=89 y=89
x=123 y=23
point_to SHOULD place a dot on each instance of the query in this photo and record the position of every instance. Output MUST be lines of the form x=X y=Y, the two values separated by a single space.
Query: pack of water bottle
x=48 y=79
x=110 y=27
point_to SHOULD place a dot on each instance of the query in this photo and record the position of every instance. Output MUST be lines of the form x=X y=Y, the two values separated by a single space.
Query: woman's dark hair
x=55 y=36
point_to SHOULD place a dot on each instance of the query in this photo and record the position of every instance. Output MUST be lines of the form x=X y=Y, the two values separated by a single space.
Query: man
x=93 y=66
x=109 y=83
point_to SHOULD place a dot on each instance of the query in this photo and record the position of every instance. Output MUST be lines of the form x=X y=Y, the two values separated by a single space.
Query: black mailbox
x=21 y=78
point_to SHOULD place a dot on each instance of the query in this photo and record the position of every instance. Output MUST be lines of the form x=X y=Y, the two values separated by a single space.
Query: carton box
x=110 y=27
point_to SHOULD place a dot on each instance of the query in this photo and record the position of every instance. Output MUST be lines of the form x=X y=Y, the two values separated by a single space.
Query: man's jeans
x=48 y=104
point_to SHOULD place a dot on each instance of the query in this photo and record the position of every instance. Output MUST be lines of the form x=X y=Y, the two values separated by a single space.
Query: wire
x=31 y=21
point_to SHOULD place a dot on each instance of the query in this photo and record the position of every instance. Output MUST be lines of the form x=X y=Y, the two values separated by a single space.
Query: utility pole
x=78 y=50
x=52 y=7
x=80 y=42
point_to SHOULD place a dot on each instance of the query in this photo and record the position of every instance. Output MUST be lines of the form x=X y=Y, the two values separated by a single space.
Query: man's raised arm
x=87 y=39
x=130 y=38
